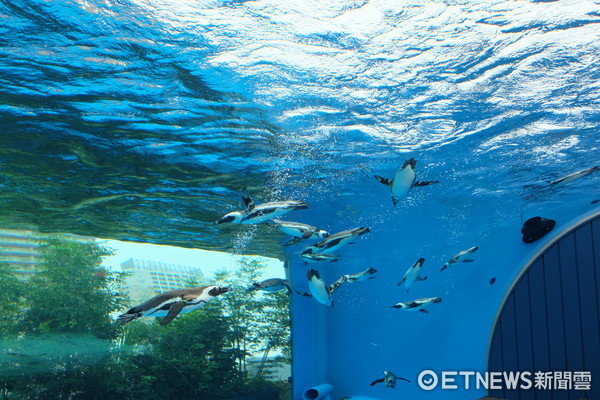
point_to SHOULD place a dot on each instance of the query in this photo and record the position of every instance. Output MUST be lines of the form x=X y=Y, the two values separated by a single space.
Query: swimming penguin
x=319 y=290
x=361 y=276
x=412 y=275
x=172 y=303
x=271 y=285
x=298 y=230
x=255 y=214
x=417 y=305
x=389 y=378
x=573 y=176
x=404 y=179
x=318 y=257
x=461 y=257
x=335 y=241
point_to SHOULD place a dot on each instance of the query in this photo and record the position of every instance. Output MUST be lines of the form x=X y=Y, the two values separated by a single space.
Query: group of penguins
x=170 y=304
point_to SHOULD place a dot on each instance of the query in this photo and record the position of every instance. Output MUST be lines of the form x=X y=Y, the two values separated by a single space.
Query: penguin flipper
x=383 y=180
x=306 y=234
x=337 y=284
x=468 y=260
x=174 y=310
x=403 y=379
x=424 y=278
x=424 y=311
x=376 y=381
x=305 y=294
x=248 y=202
x=424 y=183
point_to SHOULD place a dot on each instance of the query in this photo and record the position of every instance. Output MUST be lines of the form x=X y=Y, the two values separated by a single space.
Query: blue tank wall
x=550 y=319
x=349 y=346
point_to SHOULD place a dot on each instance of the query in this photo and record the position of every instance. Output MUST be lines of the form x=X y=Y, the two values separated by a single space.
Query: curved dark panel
x=550 y=320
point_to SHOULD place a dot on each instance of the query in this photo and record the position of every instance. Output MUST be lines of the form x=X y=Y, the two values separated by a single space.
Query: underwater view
x=277 y=200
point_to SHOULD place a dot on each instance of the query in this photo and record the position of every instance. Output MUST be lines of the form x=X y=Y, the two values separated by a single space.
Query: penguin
x=461 y=257
x=418 y=305
x=404 y=179
x=172 y=303
x=389 y=379
x=318 y=289
x=361 y=276
x=271 y=285
x=335 y=241
x=298 y=230
x=318 y=257
x=412 y=275
x=256 y=214
x=573 y=176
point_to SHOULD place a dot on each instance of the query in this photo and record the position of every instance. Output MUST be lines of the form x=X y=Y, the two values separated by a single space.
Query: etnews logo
x=557 y=380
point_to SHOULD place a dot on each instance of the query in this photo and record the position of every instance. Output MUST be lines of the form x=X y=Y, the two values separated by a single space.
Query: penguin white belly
x=403 y=181
x=290 y=231
x=319 y=292
x=273 y=288
x=410 y=277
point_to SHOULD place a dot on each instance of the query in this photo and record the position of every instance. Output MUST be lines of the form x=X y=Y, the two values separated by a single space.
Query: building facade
x=148 y=278
x=21 y=250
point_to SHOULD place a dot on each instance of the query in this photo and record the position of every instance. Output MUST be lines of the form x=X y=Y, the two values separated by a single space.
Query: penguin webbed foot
x=127 y=317
x=424 y=311
x=292 y=241
x=248 y=202
x=424 y=278
x=468 y=260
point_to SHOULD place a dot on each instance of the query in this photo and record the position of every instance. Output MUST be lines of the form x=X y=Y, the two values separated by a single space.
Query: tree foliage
x=260 y=322
x=11 y=300
x=67 y=294
x=60 y=343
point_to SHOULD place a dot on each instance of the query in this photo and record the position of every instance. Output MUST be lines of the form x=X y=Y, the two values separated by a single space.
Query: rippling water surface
x=144 y=120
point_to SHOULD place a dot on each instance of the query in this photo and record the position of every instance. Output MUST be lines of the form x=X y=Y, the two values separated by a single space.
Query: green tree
x=241 y=307
x=260 y=322
x=11 y=300
x=66 y=325
x=275 y=327
x=70 y=293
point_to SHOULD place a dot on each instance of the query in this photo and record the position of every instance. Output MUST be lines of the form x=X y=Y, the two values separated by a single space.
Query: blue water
x=143 y=120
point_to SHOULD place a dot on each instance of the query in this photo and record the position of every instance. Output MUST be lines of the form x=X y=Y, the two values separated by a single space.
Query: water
x=144 y=120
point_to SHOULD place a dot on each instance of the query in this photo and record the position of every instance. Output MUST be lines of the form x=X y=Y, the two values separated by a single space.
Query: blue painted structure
x=550 y=319
x=350 y=345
